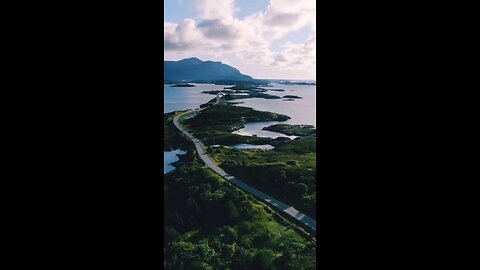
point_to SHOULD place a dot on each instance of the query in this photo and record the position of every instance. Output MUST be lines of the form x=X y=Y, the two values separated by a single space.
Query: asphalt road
x=276 y=204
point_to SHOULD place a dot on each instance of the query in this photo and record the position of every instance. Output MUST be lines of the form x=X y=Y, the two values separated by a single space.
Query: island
x=292 y=96
x=214 y=92
x=215 y=124
x=224 y=203
x=288 y=171
x=241 y=94
x=297 y=83
x=244 y=86
x=183 y=85
x=292 y=130
x=251 y=95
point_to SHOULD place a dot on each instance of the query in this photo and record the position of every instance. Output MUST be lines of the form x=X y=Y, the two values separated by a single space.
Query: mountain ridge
x=190 y=69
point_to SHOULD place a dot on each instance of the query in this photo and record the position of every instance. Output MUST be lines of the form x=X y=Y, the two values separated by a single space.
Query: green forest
x=288 y=172
x=210 y=224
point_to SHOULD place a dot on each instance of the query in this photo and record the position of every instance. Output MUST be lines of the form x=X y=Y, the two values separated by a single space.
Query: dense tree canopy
x=211 y=225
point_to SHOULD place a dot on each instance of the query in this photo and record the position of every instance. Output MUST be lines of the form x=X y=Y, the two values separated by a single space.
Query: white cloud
x=283 y=16
x=215 y=9
x=297 y=55
x=246 y=43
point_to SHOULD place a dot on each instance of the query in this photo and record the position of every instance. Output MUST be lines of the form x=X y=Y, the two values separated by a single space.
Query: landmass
x=292 y=130
x=208 y=224
x=288 y=171
x=214 y=92
x=242 y=94
x=244 y=86
x=251 y=95
x=183 y=85
x=292 y=97
x=215 y=124
x=173 y=139
x=196 y=69
x=297 y=83
x=250 y=87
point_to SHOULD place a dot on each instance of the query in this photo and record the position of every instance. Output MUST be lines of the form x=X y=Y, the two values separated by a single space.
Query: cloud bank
x=246 y=43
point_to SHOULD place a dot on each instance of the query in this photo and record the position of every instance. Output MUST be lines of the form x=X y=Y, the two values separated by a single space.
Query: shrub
x=263 y=260
x=291 y=162
x=300 y=189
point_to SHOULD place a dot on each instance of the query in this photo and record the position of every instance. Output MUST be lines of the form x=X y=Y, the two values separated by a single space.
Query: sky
x=266 y=39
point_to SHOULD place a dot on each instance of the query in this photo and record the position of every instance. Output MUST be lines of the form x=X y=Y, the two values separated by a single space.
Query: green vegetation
x=292 y=96
x=183 y=85
x=214 y=92
x=287 y=172
x=252 y=92
x=173 y=139
x=244 y=86
x=211 y=225
x=215 y=124
x=295 y=130
x=209 y=103
x=251 y=95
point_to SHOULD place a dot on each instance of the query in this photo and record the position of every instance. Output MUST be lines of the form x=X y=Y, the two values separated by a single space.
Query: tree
x=282 y=261
x=300 y=189
x=263 y=260
x=192 y=206
x=230 y=234
x=170 y=234
x=280 y=178
x=290 y=186
x=204 y=251
x=184 y=253
x=227 y=252
x=232 y=211
x=177 y=220
x=291 y=162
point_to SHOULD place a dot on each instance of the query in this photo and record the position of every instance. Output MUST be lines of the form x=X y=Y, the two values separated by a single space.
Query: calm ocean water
x=169 y=157
x=184 y=98
x=302 y=111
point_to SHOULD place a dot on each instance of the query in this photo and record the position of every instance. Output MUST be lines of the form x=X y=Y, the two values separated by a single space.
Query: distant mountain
x=194 y=69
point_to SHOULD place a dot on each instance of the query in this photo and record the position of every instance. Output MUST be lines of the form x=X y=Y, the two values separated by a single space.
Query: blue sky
x=263 y=38
x=177 y=10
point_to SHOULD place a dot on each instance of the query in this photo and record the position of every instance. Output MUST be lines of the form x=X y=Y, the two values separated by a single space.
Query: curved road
x=247 y=188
